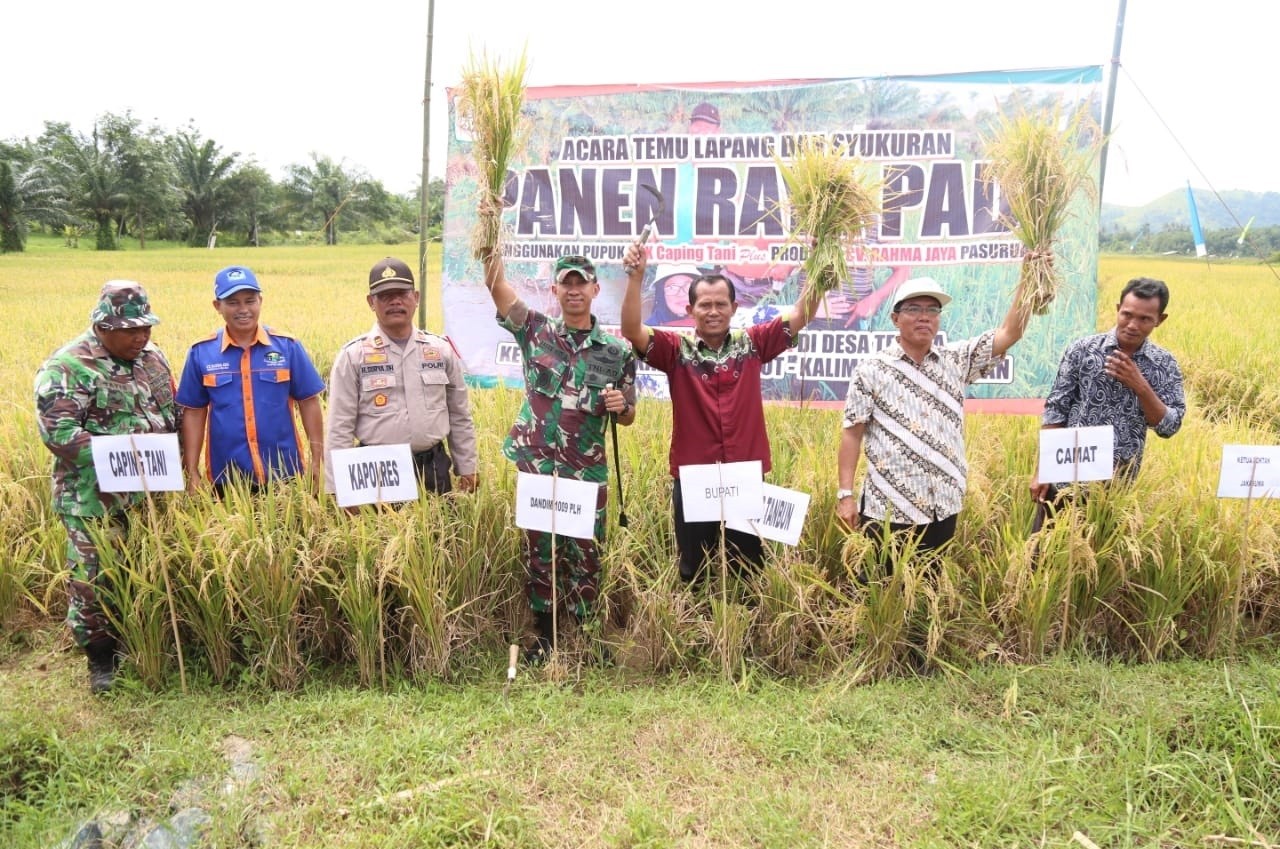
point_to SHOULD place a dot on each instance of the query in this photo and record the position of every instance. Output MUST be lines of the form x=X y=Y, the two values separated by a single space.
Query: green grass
x=1155 y=755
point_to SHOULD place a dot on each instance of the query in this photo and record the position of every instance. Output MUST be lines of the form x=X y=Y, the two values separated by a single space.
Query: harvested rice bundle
x=1041 y=161
x=832 y=199
x=490 y=99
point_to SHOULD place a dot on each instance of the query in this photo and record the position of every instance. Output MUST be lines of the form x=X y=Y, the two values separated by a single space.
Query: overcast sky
x=276 y=81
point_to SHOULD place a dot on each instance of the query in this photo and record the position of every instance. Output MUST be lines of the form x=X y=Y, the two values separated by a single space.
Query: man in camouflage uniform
x=108 y=381
x=576 y=376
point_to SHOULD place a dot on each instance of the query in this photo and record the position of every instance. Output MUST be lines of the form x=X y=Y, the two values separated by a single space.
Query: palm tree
x=87 y=176
x=140 y=156
x=320 y=192
x=202 y=173
x=250 y=197
x=13 y=229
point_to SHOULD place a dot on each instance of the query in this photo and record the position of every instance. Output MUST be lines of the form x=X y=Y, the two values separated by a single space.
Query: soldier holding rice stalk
x=576 y=376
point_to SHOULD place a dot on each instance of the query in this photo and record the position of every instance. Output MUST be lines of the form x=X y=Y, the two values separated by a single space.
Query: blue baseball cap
x=232 y=279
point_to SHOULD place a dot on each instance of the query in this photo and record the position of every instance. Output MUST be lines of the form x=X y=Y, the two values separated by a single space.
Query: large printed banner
x=701 y=162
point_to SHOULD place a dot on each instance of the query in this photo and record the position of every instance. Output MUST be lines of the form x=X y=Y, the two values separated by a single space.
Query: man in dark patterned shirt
x=1119 y=378
x=575 y=377
x=716 y=404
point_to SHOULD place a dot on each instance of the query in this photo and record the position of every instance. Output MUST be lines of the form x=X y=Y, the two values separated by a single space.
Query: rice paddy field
x=1127 y=686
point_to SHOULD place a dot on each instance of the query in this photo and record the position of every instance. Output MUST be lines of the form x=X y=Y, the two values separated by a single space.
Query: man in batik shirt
x=716 y=403
x=1118 y=378
x=905 y=407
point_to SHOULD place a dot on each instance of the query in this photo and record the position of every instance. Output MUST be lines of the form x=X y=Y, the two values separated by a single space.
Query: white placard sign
x=139 y=462
x=554 y=504
x=1070 y=454
x=1250 y=471
x=739 y=485
x=783 y=518
x=374 y=474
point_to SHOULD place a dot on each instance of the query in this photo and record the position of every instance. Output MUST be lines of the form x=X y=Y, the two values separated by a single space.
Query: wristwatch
x=842 y=494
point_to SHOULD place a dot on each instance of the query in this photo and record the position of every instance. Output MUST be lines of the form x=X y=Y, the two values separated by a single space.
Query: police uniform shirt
x=382 y=394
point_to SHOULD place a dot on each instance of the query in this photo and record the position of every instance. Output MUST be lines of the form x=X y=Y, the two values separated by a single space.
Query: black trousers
x=432 y=467
x=697 y=542
x=928 y=537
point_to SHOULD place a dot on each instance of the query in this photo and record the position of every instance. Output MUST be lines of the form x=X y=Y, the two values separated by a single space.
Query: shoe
x=538 y=653
x=102 y=666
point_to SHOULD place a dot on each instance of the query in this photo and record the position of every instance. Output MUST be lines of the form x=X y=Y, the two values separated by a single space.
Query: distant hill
x=1171 y=210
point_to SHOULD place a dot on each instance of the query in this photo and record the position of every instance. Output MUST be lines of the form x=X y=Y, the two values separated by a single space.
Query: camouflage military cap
x=123 y=305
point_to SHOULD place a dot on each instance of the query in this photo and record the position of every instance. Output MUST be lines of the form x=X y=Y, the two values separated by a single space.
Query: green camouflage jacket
x=560 y=426
x=81 y=392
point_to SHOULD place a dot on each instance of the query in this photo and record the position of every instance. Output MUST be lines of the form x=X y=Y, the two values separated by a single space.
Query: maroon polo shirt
x=716 y=406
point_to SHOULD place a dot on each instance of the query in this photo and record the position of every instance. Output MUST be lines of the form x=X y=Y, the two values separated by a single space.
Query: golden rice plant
x=659 y=617
x=730 y=625
x=136 y=593
x=1041 y=161
x=202 y=585
x=271 y=566
x=489 y=103
x=346 y=558
x=792 y=613
x=831 y=198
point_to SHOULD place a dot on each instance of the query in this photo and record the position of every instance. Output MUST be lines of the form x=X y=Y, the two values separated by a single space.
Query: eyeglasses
x=916 y=309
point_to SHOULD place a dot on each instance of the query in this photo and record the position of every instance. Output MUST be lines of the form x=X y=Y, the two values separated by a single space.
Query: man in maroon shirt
x=714 y=379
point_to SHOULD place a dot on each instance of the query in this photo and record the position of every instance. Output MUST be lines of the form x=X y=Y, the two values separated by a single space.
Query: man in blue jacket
x=240 y=388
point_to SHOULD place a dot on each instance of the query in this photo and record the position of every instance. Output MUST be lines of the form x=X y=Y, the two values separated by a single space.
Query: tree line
x=1259 y=242
x=123 y=180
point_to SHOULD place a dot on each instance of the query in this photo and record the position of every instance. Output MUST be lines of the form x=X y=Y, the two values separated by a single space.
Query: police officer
x=109 y=381
x=576 y=376
x=398 y=384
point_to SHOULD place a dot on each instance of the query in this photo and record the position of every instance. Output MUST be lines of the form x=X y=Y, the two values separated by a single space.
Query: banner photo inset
x=711 y=154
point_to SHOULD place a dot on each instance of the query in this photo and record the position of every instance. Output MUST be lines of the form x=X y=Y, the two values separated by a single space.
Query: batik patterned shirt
x=914 y=436
x=1083 y=395
x=560 y=426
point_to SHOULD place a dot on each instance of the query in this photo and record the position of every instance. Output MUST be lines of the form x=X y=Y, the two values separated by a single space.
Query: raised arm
x=806 y=307
x=633 y=328
x=1015 y=320
x=495 y=280
x=1013 y=326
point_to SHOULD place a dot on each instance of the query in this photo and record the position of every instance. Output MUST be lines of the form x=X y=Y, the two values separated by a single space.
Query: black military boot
x=538 y=653
x=102 y=665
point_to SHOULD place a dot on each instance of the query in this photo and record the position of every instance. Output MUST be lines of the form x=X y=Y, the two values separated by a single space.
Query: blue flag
x=1197 y=235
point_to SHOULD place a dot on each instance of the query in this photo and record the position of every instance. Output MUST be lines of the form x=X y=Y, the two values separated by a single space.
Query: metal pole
x=426 y=162
x=1111 y=99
